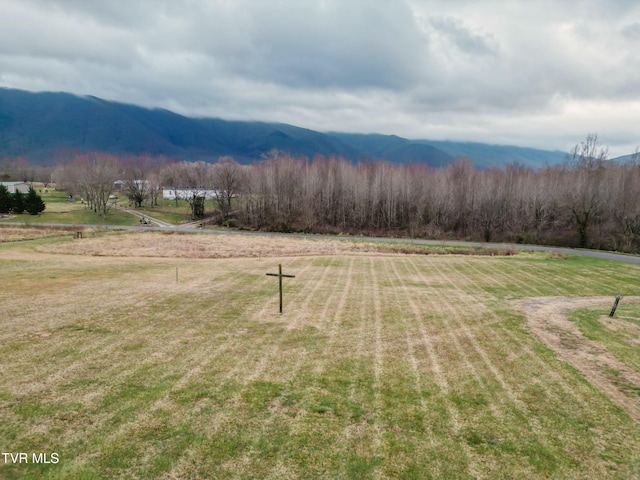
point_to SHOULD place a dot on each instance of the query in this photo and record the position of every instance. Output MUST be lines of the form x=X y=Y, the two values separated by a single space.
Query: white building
x=22 y=187
x=184 y=193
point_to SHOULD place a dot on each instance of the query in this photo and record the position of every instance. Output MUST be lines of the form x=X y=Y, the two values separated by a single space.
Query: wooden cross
x=619 y=297
x=280 y=275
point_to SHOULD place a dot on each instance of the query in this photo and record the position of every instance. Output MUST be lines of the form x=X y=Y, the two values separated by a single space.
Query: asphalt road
x=618 y=257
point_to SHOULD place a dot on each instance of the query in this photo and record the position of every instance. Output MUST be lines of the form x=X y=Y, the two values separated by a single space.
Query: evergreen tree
x=18 y=202
x=6 y=202
x=33 y=202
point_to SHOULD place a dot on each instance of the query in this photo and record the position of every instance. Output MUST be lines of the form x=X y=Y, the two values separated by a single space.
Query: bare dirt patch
x=547 y=321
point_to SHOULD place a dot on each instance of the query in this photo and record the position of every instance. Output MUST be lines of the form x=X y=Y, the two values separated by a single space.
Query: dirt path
x=142 y=216
x=547 y=320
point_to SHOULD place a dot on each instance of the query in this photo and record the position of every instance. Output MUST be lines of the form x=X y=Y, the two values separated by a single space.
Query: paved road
x=618 y=257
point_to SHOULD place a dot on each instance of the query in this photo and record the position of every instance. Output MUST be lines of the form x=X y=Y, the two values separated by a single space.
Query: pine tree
x=6 y=202
x=18 y=202
x=33 y=202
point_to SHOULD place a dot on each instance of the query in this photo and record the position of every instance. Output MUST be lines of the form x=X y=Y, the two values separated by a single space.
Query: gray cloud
x=453 y=31
x=539 y=73
x=632 y=31
x=316 y=44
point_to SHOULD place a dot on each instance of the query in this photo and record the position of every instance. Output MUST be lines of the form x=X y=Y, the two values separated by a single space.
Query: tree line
x=588 y=201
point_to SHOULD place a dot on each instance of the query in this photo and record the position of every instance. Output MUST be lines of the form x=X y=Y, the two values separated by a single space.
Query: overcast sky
x=541 y=73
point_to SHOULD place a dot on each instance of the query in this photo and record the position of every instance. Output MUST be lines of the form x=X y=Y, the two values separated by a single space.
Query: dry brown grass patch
x=155 y=244
x=16 y=234
x=186 y=245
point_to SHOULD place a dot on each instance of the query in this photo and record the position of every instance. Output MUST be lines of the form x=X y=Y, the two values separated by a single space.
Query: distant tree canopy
x=587 y=202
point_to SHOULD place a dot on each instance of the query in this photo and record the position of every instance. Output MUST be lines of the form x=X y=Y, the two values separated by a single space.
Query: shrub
x=6 y=201
x=17 y=205
x=33 y=202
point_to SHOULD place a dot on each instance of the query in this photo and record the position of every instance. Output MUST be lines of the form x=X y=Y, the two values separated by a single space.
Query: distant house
x=22 y=187
x=184 y=193
x=122 y=184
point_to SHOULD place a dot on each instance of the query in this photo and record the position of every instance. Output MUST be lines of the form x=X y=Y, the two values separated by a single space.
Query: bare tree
x=94 y=176
x=310 y=191
x=227 y=179
x=171 y=177
x=138 y=171
x=623 y=185
x=491 y=204
x=582 y=192
x=197 y=181
x=137 y=191
x=460 y=187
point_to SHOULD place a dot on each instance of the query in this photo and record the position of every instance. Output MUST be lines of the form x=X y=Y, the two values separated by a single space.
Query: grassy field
x=161 y=363
x=174 y=212
x=59 y=210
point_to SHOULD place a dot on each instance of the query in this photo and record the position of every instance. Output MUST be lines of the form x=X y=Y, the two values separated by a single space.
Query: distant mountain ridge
x=41 y=125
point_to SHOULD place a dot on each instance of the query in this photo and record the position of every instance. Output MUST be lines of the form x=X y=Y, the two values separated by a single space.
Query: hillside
x=442 y=152
x=488 y=156
x=42 y=126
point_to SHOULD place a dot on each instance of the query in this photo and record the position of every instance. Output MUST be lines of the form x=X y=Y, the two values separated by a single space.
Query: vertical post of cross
x=280 y=286
x=280 y=275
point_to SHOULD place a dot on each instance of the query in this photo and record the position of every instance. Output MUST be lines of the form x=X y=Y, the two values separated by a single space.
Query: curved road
x=618 y=257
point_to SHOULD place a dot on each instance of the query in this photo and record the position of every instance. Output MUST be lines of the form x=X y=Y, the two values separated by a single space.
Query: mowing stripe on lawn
x=524 y=344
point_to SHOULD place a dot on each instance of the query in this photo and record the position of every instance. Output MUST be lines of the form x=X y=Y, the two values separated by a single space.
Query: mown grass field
x=382 y=365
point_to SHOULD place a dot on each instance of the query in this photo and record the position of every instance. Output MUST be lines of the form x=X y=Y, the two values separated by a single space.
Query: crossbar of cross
x=280 y=275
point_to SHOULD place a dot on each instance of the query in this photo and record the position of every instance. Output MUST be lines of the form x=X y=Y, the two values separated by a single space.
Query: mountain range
x=43 y=126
